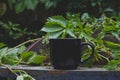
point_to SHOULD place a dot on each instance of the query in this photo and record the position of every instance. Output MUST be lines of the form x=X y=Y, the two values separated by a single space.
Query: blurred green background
x=21 y=20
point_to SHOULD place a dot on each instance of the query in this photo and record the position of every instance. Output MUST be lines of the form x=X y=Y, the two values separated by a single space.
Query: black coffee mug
x=66 y=53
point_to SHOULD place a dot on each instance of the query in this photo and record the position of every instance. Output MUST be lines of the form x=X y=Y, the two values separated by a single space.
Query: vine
x=20 y=55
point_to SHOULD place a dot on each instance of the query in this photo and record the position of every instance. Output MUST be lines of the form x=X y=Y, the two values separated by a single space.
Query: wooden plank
x=48 y=73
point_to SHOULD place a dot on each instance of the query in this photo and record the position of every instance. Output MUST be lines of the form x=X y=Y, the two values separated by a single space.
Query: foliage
x=21 y=5
x=21 y=75
x=18 y=55
x=13 y=30
x=109 y=7
x=2 y=45
x=72 y=26
x=24 y=77
x=114 y=64
x=14 y=56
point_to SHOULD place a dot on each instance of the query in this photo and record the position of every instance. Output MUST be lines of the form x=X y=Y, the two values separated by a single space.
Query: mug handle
x=92 y=47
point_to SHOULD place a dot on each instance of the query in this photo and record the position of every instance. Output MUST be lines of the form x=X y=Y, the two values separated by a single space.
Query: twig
x=32 y=40
x=10 y=69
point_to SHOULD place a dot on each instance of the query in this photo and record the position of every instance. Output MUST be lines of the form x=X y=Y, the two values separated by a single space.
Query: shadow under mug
x=66 y=53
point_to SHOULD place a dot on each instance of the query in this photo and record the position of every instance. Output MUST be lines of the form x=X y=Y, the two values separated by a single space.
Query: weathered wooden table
x=48 y=73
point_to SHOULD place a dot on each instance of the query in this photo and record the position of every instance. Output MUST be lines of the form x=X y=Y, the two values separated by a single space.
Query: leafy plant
x=85 y=27
x=114 y=64
x=100 y=6
x=13 y=30
x=21 y=75
x=69 y=26
x=19 y=6
x=18 y=55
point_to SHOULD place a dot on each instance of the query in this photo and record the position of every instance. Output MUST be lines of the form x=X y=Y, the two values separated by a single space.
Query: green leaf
x=112 y=65
x=93 y=4
x=3 y=52
x=71 y=33
x=51 y=27
x=36 y=59
x=20 y=6
x=100 y=36
x=49 y=3
x=27 y=77
x=2 y=45
x=85 y=17
x=31 y=4
x=26 y=55
x=115 y=34
x=12 y=51
x=21 y=49
x=20 y=77
x=55 y=34
x=10 y=56
x=108 y=10
x=10 y=59
x=59 y=20
x=113 y=46
x=107 y=28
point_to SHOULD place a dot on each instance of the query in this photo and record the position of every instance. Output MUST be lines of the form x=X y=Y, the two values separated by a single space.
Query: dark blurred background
x=21 y=20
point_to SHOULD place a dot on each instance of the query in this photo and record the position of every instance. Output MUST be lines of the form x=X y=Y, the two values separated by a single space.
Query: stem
x=32 y=40
x=104 y=57
x=10 y=69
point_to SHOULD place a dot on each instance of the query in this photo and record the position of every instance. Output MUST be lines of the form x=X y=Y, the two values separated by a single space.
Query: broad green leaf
x=20 y=6
x=112 y=65
x=49 y=4
x=36 y=59
x=26 y=55
x=115 y=34
x=3 y=52
x=10 y=59
x=107 y=28
x=21 y=49
x=80 y=35
x=85 y=17
x=71 y=33
x=2 y=45
x=55 y=34
x=64 y=34
x=12 y=50
x=109 y=10
x=113 y=46
x=93 y=4
x=27 y=77
x=51 y=27
x=100 y=36
x=59 y=20
x=10 y=56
